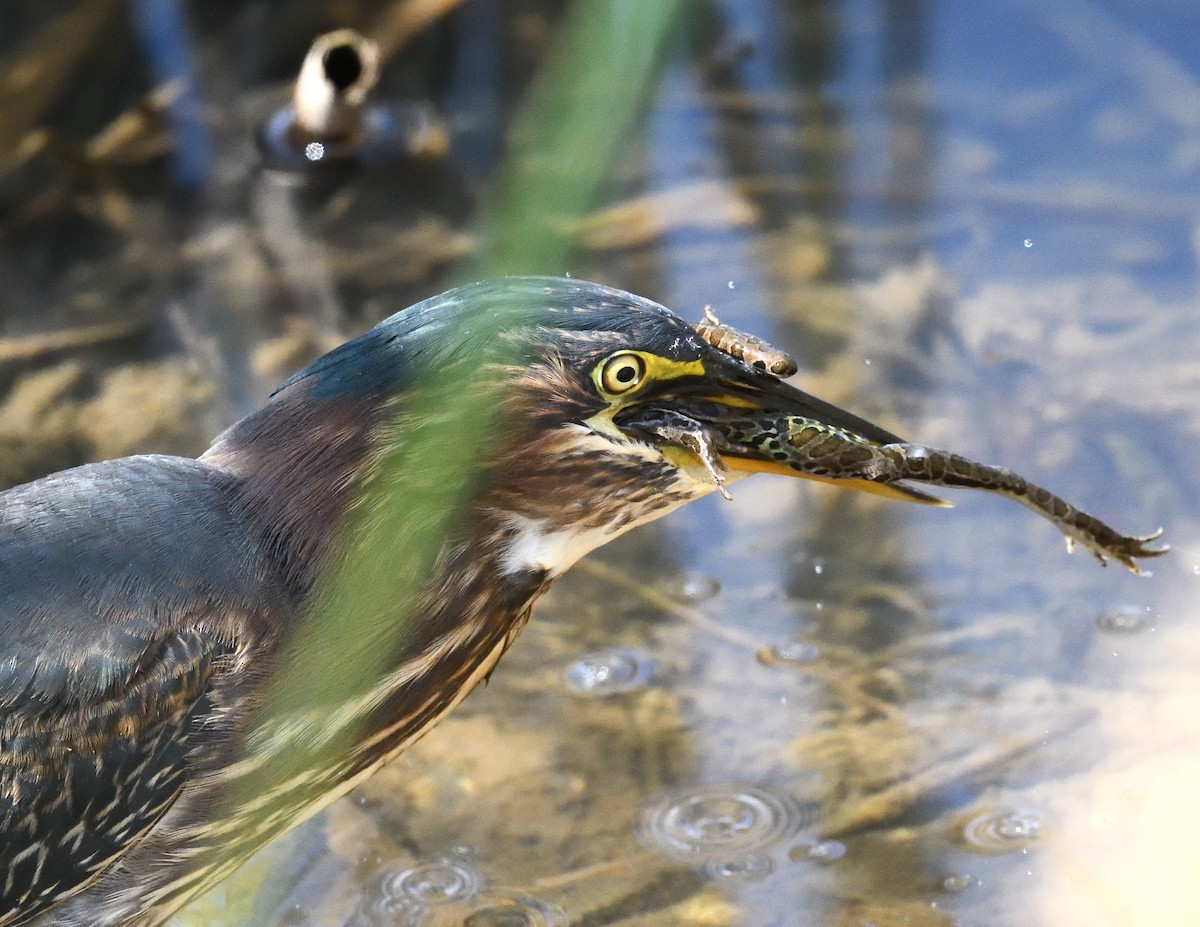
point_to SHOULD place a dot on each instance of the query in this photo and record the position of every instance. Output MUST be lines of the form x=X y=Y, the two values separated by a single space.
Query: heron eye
x=622 y=372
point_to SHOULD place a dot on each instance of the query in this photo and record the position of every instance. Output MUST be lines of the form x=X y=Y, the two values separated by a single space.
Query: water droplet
x=314 y=151
x=730 y=284
x=433 y=883
x=1004 y=830
x=817 y=851
x=748 y=868
x=715 y=824
x=694 y=587
x=1196 y=568
x=959 y=882
x=609 y=672
x=1028 y=242
x=795 y=653
x=818 y=566
x=1121 y=619
x=513 y=911
x=867 y=361
x=567 y=274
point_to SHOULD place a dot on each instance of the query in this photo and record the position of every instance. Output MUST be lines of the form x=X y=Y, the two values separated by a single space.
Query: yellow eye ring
x=622 y=372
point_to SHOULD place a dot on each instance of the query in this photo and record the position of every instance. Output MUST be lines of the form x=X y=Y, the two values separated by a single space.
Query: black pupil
x=626 y=374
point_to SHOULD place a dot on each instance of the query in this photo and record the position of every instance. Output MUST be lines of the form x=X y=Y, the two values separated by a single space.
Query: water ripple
x=1004 y=830
x=514 y=911
x=748 y=868
x=609 y=672
x=822 y=852
x=793 y=653
x=447 y=893
x=1122 y=619
x=716 y=825
x=693 y=587
x=385 y=911
x=433 y=883
x=958 y=882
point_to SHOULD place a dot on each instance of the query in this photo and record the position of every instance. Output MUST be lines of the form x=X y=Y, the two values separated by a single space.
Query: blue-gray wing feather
x=121 y=589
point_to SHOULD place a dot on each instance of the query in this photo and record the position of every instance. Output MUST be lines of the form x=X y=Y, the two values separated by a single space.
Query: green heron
x=146 y=602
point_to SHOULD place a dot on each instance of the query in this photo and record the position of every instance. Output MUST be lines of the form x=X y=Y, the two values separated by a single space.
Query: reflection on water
x=973 y=223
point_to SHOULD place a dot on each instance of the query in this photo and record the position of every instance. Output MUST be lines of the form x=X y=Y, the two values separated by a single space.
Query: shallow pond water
x=978 y=225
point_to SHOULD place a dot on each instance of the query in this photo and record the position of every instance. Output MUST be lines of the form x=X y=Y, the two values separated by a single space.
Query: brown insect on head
x=748 y=348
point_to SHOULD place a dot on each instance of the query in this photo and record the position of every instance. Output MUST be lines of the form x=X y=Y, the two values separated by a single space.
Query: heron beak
x=737 y=419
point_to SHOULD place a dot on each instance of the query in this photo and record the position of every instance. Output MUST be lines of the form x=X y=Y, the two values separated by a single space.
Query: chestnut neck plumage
x=298 y=466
